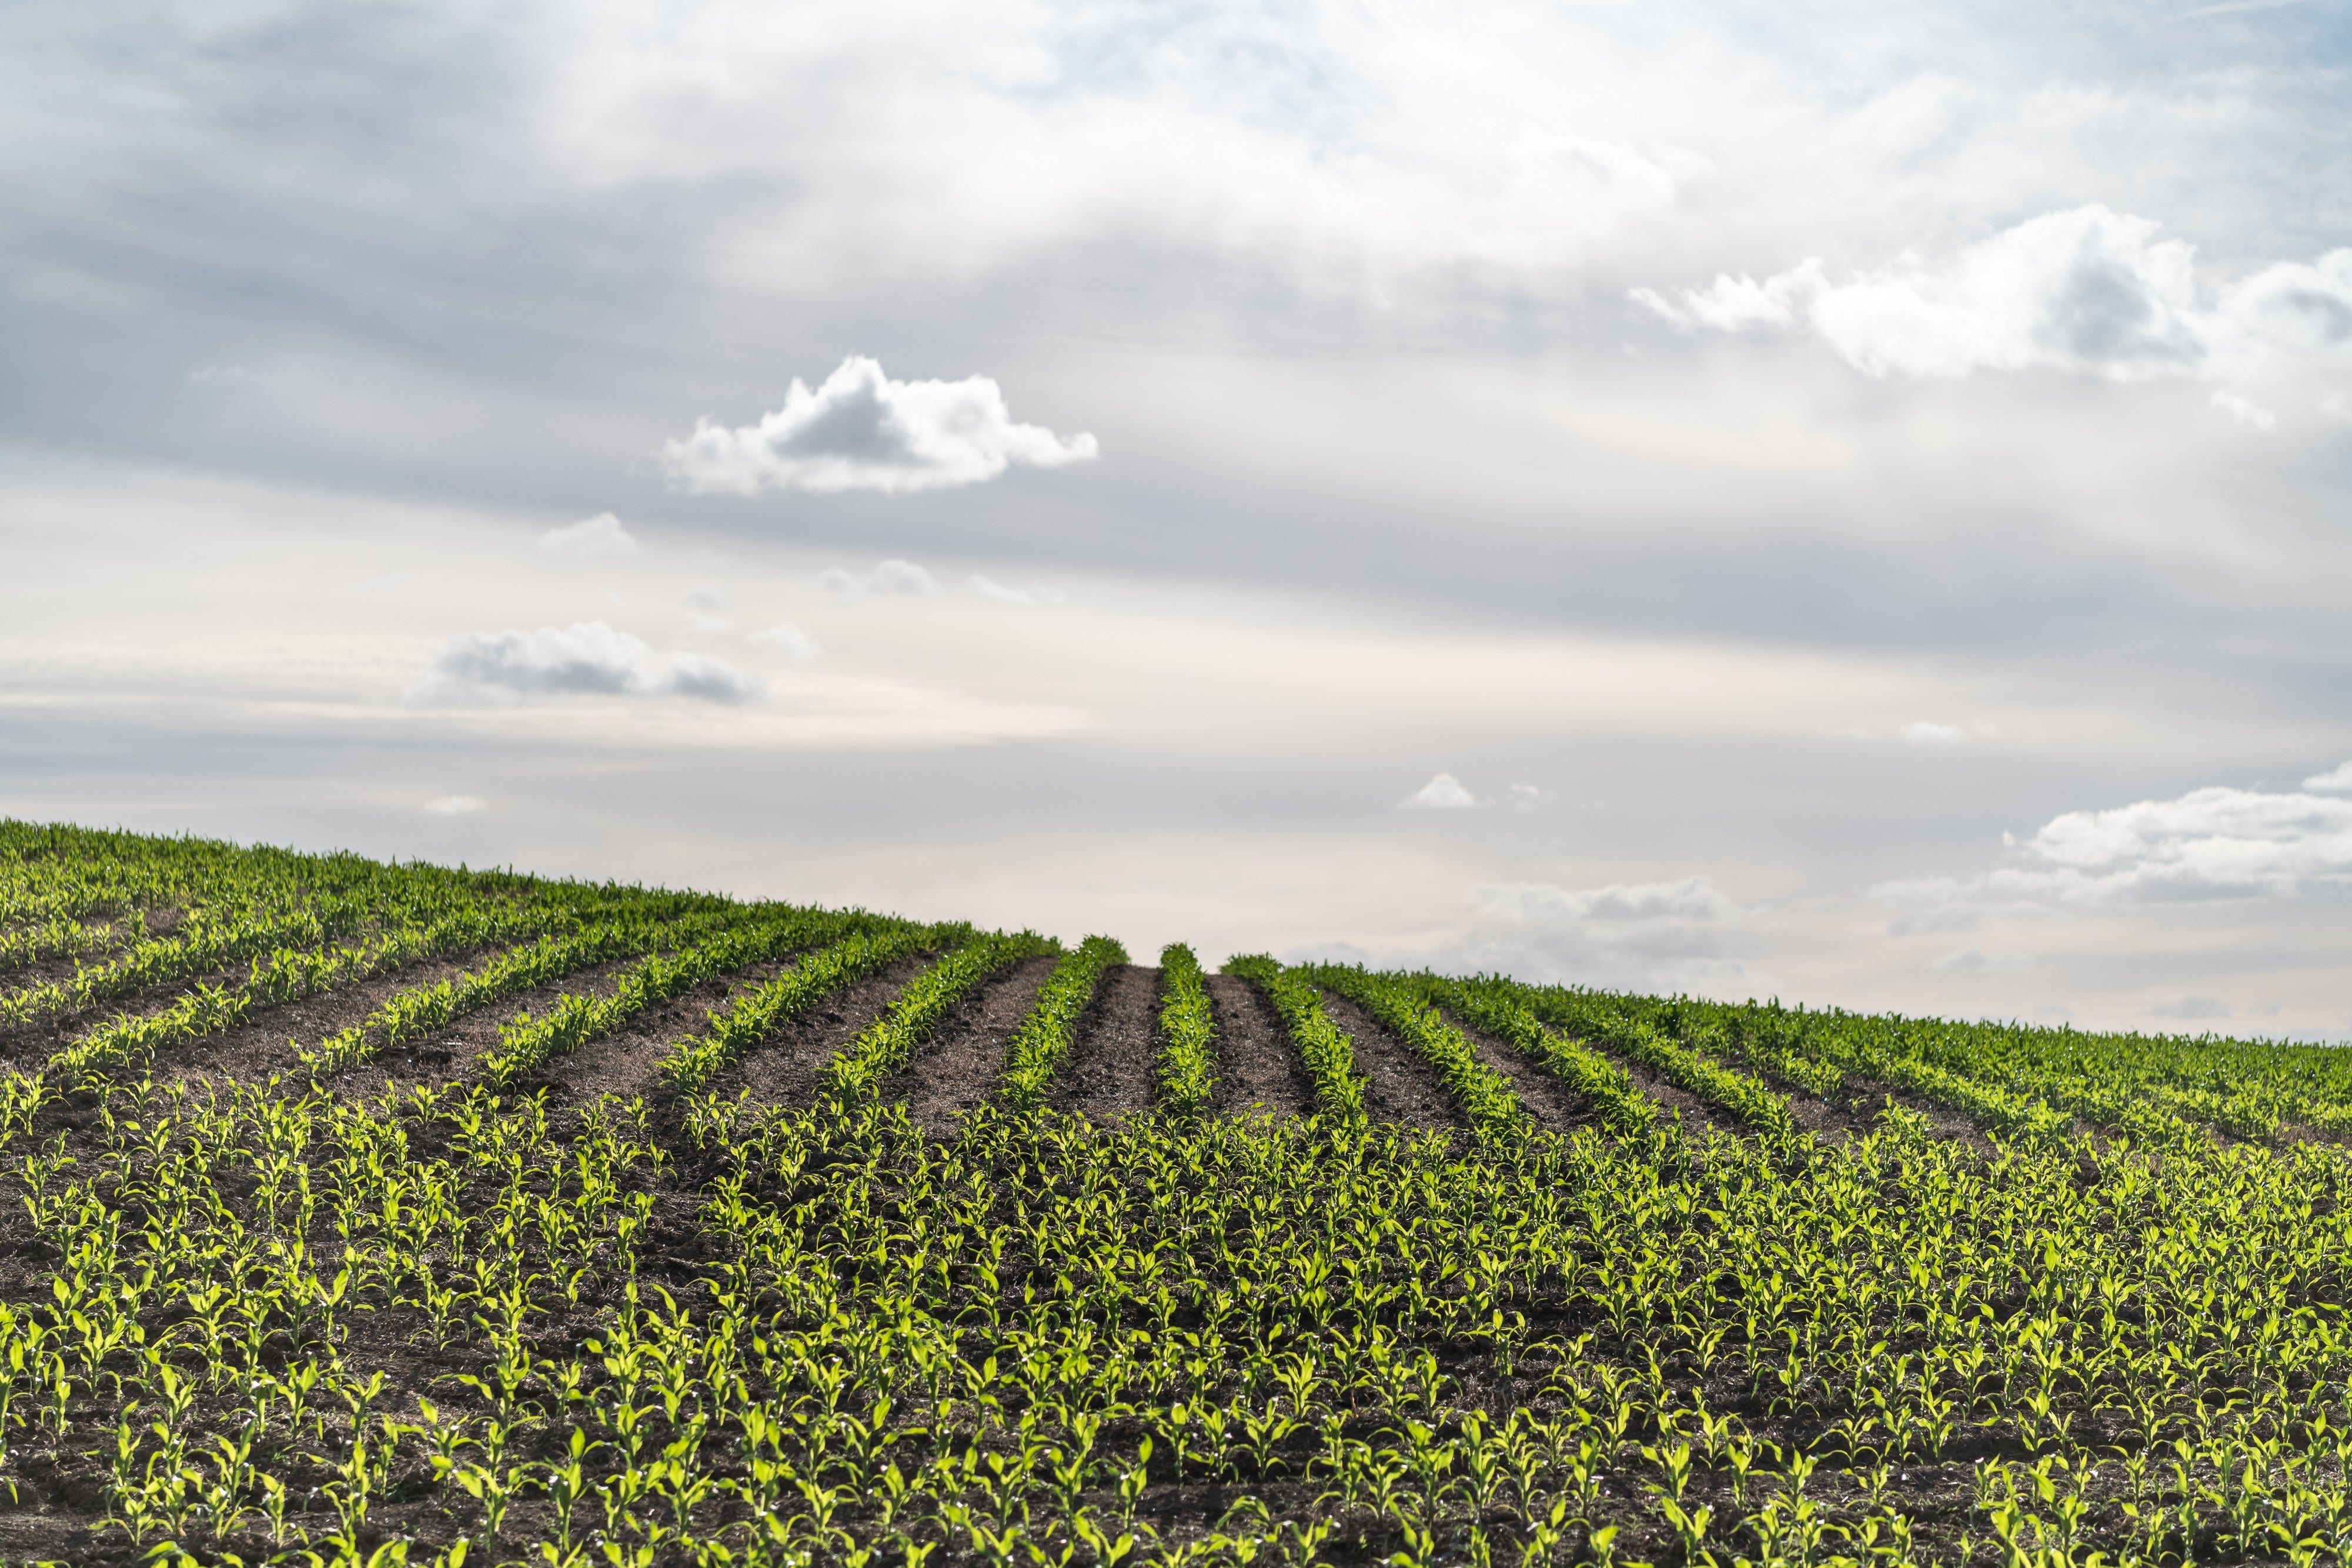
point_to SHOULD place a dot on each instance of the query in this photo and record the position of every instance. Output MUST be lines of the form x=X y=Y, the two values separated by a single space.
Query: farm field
x=372 y=1213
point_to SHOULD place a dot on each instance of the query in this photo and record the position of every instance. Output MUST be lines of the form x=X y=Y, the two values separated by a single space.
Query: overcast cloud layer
x=1845 y=501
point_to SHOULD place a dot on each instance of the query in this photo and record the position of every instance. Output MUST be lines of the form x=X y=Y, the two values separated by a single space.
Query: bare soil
x=1257 y=1064
x=1866 y=1096
x=1399 y=1086
x=784 y=1070
x=1109 y=1074
x=1551 y=1104
x=263 y=1043
x=954 y=1070
x=627 y=1062
x=448 y=1053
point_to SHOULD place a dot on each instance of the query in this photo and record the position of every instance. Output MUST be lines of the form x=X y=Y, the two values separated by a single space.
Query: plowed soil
x=1399 y=1086
x=1551 y=1104
x=627 y=1061
x=263 y=1044
x=1257 y=1064
x=955 y=1070
x=784 y=1070
x=1109 y=1075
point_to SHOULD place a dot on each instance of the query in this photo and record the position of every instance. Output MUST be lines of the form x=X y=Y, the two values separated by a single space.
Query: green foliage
x=261 y=1321
x=1187 y=1064
x=1488 y=1005
x=884 y=1045
x=1329 y=1054
x=1484 y=1095
x=1045 y=1035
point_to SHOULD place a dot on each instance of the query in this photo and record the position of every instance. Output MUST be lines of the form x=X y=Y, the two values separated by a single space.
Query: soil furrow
x=955 y=1069
x=1258 y=1066
x=626 y=1062
x=783 y=1069
x=1551 y=1104
x=1399 y=1086
x=262 y=1044
x=1109 y=1074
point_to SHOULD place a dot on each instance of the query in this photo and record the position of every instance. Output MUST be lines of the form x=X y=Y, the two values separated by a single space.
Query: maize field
x=365 y=1214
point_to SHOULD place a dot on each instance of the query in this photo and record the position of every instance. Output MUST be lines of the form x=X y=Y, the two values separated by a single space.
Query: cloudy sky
x=1836 y=500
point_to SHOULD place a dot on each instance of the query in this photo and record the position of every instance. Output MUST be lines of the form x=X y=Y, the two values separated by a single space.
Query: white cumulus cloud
x=2212 y=843
x=586 y=659
x=454 y=806
x=600 y=535
x=2087 y=289
x=862 y=431
x=1926 y=732
x=1443 y=793
x=890 y=577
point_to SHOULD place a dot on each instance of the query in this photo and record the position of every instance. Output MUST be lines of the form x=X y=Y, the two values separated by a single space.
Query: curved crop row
x=1329 y=1054
x=526 y=1043
x=1592 y=1075
x=1485 y=1096
x=1187 y=1065
x=282 y=977
x=414 y=1013
x=884 y=1045
x=692 y=1063
x=1593 y=1016
x=57 y=937
x=1044 y=1037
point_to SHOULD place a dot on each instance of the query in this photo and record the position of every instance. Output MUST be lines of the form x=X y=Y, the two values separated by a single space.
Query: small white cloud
x=2191 y=1009
x=1923 y=732
x=1976 y=960
x=2087 y=290
x=1528 y=796
x=2336 y=778
x=2245 y=409
x=219 y=376
x=455 y=805
x=587 y=659
x=1443 y=793
x=1031 y=596
x=788 y=640
x=889 y=577
x=600 y=535
x=862 y=431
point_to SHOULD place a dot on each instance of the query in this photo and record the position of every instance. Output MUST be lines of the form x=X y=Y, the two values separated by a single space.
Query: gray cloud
x=889 y=579
x=586 y=659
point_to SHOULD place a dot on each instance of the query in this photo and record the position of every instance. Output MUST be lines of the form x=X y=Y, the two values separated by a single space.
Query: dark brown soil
x=448 y=1053
x=1257 y=1064
x=261 y=1046
x=1551 y=1104
x=627 y=1061
x=954 y=1070
x=1109 y=1074
x=1676 y=1101
x=1865 y=1097
x=784 y=1070
x=1399 y=1086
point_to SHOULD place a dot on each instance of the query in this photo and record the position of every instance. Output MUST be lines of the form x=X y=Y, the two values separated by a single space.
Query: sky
x=1831 y=501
